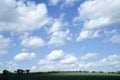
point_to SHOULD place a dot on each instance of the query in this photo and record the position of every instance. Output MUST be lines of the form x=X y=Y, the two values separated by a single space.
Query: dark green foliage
x=93 y=71
x=27 y=71
x=61 y=76
x=20 y=71
x=118 y=72
x=6 y=72
x=101 y=72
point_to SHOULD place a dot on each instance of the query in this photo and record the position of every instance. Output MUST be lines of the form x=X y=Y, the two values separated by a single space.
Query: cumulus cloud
x=66 y=3
x=57 y=60
x=4 y=44
x=51 y=57
x=95 y=14
x=89 y=56
x=68 y=59
x=109 y=63
x=24 y=56
x=20 y=16
x=86 y=34
x=34 y=42
x=55 y=54
x=58 y=33
x=115 y=39
x=54 y=2
x=9 y=65
x=113 y=36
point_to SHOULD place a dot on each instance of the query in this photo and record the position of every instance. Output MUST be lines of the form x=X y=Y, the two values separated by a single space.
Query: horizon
x=80 y=71
x=60 y=35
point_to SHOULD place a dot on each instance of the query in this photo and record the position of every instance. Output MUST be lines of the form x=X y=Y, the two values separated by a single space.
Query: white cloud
x=109 y=33
x=58 y=33
x=96 y=23
x=68 y=59
x=51 y=61
x=70 y=62
x=56 y=26
x=44 y=61
x=4 y=44
x=55 y=54
x=109 y=63
x=115 y=39
x=87 y=34
x=96 y=11
x=59 y=38
x=11 y=65
x=18 y=16
x=57 y=60
x=95 y=14
x=69 y=2
x=54 y=2
x=51 y=57
x=88 y=56
x=24 y=56
x=33 y=68
x=34 y=42
x=113 y=36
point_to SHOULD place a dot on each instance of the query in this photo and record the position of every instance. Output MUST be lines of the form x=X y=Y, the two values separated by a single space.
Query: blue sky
x=60 y=35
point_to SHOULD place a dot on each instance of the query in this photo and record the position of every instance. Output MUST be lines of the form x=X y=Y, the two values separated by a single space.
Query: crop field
x=61 y=76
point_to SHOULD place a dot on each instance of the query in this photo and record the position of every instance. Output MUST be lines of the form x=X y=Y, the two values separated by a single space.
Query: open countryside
x=59 y=39
x=59 y=75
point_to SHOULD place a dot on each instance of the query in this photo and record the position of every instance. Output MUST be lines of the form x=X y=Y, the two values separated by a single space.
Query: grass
x=61 y=76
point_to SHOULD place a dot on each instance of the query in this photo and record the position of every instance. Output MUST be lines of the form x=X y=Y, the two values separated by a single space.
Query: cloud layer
x=59 y=60
x=19 y=17
x=96 y=15
x=60 y=31
x=4 y=44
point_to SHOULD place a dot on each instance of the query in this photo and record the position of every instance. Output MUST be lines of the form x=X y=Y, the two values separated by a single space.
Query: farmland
x=61 y=76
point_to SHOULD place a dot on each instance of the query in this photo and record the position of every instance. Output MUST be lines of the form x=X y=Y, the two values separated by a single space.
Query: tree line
x=18 y=71
x=27 y=71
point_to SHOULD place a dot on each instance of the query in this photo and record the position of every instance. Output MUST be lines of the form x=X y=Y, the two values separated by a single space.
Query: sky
x=45 y=35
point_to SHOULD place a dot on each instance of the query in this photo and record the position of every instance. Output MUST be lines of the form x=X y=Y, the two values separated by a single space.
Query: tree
x=27 y=71
x=93 y=72
x=20 y=71
x=5 y=72
x=118 y=72
x=101 y=72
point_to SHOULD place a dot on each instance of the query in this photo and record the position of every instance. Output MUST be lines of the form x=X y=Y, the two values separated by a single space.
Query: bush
x=118 y=72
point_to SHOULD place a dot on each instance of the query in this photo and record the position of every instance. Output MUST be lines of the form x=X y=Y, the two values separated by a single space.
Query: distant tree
x=5 y=72
x=112 y=72
x=27 y=71
x=109 y=72
x=118 y=72
x=80 y=71
x=93 y=72
x=20 y=71
x=15 y=72
x=86 y=71
x=101 y=71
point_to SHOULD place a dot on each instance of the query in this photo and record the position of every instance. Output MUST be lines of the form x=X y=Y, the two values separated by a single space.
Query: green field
x=61 y=76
